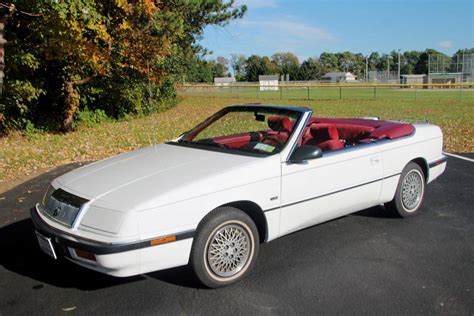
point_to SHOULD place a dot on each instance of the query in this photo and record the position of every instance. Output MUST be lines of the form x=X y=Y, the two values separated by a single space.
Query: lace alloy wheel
x=228 y=251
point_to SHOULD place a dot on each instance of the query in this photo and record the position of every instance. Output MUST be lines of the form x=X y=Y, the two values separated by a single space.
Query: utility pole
x=366 y=68
x=388 y=68
x=398 y=66
x=429 y=68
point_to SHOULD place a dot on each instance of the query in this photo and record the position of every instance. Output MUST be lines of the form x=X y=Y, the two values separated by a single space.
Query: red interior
x=326 y=136
x=234 y=141
x=358 y=131
x=280 y=123
x=327 y=133
x=280 y=129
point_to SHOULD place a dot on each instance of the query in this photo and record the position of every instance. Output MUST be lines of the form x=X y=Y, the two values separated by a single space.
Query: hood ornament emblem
x=57 y=211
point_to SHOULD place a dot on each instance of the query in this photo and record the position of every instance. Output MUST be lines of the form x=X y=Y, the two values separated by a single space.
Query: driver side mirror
x=306 y=152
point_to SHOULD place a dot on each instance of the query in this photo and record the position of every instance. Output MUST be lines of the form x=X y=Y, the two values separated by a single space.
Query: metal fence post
x=308 y=92
x=281 y=92
x=340 y=93
x=258 y=88
x=237 y=91
x=375 y=93
x=460 y=93
x=416 y=90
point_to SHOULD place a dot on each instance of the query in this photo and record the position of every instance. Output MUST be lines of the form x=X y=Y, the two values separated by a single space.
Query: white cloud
x=283 y=35
x=258 y=4
x=291 y=31
x=445 y=44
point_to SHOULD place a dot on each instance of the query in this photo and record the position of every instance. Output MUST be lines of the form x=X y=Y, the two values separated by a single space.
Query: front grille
x=63 y=207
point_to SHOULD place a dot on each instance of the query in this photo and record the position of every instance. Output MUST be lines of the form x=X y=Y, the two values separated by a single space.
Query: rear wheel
x=410 y=191
x=225 y=247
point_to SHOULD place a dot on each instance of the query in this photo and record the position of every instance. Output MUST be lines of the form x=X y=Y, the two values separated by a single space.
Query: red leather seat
x=281 y=127
x=325 y=136
x=280 y=123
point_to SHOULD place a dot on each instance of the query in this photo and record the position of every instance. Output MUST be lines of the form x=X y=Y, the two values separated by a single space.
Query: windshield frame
x=251 y=108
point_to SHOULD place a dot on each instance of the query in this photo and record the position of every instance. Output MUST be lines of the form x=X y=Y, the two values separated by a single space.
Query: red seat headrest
x=323 y=132
x=279 y=123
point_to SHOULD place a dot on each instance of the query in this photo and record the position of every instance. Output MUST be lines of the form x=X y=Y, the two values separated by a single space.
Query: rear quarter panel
x=425 y=143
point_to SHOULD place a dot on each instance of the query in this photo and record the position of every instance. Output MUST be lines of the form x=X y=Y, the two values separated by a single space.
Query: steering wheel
x=276 y=142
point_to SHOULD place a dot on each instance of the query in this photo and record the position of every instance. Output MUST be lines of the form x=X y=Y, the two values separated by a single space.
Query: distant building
x=445 y=78
x=339 y=77
x=414 y=79
x=268 y=82
x=224 y=81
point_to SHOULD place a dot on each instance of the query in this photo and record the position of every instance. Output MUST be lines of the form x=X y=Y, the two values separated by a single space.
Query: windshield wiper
x=183 y=141
x=205 y=143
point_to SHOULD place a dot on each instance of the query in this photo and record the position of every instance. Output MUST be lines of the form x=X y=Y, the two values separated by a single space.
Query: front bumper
x=118 y=259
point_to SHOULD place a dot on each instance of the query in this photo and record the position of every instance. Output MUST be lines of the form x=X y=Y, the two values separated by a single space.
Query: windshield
x=253 y=130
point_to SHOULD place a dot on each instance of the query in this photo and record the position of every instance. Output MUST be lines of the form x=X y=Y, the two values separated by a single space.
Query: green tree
x=421 y=66
x=374 y=61
x=269 y=67
x=287 y=63
x=253 y=68
x=311 y=69
x=329 y=62
x=122 y=55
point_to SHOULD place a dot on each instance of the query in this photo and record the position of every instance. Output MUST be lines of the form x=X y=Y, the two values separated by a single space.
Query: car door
x=338 y=183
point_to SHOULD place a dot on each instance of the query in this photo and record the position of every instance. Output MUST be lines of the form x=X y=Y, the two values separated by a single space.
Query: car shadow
x=21 y=254
x=378 y=211
x=180 y=276
x=19 y=250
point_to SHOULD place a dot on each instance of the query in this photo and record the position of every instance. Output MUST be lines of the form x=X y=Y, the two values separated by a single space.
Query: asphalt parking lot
x=365 y=263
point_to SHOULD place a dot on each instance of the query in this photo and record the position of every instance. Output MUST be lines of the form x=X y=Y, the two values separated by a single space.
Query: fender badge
x=273 y=198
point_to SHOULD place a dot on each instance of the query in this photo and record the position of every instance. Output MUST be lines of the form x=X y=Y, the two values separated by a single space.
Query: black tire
x=412 y=180
x=210 y=271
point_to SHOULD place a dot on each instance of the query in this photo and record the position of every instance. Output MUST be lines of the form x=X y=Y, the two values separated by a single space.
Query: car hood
x=158 y=175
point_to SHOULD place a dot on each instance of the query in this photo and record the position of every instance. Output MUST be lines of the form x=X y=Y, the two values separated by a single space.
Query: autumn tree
x=121 y=55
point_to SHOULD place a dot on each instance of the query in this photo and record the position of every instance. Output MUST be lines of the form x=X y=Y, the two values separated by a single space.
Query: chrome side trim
x=330 y=193
x=438 y=161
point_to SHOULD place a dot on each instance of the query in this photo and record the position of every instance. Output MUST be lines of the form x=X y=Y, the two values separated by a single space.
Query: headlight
x=47 y=196
x=102 y=219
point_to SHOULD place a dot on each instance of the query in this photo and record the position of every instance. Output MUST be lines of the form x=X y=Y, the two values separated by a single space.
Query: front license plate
x=46 y=245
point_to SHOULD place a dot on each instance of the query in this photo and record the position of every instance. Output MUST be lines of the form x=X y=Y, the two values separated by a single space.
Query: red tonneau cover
x=376 y=129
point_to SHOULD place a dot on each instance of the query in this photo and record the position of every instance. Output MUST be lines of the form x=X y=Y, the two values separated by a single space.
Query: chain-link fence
x=456 y=69
x=463 y=92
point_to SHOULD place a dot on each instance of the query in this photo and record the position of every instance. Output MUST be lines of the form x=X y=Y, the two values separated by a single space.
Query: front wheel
x=225 y=247
x=410 y=191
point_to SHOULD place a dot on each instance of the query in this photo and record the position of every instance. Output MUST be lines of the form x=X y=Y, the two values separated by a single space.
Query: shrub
x=91 y=118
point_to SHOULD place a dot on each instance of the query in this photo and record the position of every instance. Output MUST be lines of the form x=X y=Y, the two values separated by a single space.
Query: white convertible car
x=246 y=175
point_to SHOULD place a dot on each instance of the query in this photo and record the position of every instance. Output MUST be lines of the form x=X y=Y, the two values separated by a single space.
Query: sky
x=308 y=28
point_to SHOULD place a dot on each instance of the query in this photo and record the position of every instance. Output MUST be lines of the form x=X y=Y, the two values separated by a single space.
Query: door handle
x=374 y=161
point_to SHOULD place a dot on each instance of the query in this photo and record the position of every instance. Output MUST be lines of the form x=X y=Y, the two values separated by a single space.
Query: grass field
x=334 y=93
x=22 y=156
